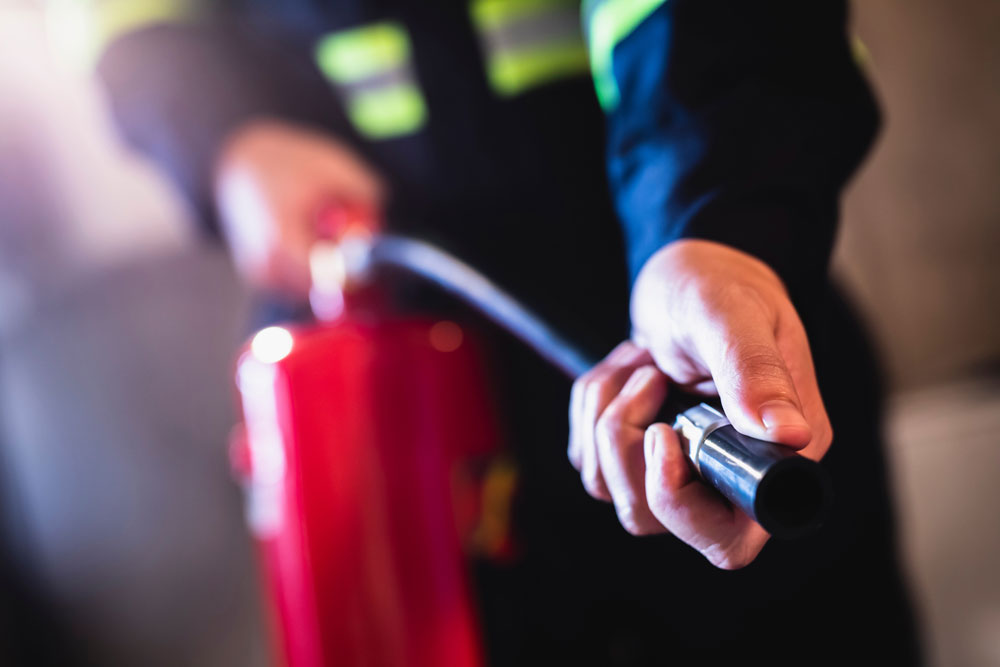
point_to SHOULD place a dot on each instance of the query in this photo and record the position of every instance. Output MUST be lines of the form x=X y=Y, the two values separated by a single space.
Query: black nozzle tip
x=793 y=498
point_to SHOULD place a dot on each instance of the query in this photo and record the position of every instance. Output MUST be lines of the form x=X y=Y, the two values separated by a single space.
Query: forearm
x=738 y=123
x=178 y=92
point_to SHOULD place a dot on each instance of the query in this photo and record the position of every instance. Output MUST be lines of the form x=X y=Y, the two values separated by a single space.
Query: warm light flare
x=445 y=336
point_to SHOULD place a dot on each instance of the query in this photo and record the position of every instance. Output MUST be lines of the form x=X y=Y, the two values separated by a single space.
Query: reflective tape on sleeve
x=529 y=43
x=608 y=22
x=372 y=72
x=387 y=112
x=353 y=55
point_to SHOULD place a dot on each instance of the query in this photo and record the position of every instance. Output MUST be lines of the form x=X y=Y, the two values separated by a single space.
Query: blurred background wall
x=920 y=250
x=117 y=329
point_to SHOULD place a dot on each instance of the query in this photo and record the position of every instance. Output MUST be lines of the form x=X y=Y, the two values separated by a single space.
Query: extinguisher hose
x=788 y=494
x=470 y=286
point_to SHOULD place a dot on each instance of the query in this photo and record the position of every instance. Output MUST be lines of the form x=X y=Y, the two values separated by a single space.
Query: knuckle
x=592 y=485
x=573 y=455
x=824 y=438
x=727 y=560
x=628 y=520
x=592 y=389
x=608 y=429
x=658 y=497
x=757 y=361
x=760 y=376
x=578 y=393
x=623 y=348
x=738 y=294
x=726 y=563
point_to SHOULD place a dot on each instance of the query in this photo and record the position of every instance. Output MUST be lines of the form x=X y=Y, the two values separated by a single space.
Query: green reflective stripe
x=352 y=55
x=387 y=112
x=371 y=72
x=609 y=22
x=516 y=71
x=528 y=43
x=492 y=14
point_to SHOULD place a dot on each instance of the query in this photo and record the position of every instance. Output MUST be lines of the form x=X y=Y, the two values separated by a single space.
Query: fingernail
x=782 y=414
x=640 y=378
x=651 y=443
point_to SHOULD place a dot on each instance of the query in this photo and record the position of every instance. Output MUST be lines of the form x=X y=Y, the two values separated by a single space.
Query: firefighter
x=731 y=130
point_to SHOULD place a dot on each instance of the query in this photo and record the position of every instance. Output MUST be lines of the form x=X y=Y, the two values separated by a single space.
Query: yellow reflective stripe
x=513 y=72
x=353 y=55
x=492 y=14
x=382 y=113
x=370 y=68
x=611 y=21
x=527 y=43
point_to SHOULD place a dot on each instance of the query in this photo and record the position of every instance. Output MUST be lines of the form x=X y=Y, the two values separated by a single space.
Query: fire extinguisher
x=353 y=429
x=354 y=426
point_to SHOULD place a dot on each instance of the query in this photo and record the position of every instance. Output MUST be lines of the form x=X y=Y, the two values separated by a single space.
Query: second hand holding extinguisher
x=786 y=493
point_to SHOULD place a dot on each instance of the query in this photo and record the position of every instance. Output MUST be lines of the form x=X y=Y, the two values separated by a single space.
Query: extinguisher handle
x=338 y=218
x=338 y=259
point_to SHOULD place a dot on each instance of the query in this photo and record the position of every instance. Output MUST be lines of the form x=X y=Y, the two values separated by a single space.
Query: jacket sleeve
x=737 y=122
x=176 y=90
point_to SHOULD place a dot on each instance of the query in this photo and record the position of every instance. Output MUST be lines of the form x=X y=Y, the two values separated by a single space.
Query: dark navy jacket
x=514 y=184
x=739 y=122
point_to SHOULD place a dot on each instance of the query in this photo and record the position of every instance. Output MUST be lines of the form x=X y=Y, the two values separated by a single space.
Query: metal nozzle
x=787 y=494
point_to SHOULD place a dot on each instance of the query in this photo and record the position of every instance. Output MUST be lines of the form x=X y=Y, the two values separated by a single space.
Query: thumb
x=750 y=373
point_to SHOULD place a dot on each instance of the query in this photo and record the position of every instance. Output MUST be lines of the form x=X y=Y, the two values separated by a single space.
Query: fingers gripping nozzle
x=787 y=494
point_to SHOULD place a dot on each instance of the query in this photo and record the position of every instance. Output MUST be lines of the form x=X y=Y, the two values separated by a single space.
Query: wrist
x=681 y=278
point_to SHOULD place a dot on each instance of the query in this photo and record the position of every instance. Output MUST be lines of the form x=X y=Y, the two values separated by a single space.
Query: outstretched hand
x=712 y=320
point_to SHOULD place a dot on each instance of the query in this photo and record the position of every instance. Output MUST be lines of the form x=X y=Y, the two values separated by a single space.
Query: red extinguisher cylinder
x=353 y=431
